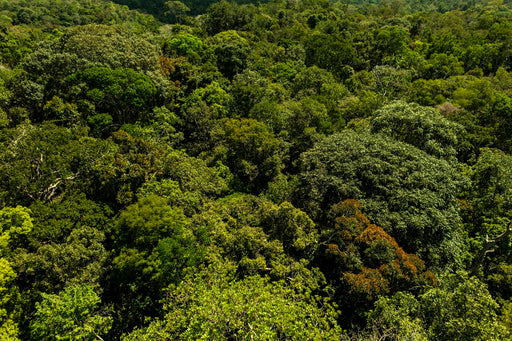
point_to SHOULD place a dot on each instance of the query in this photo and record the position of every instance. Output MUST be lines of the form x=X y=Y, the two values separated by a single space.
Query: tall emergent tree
x=411 y=194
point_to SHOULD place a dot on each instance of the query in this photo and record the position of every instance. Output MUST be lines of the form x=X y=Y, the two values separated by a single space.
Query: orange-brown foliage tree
x=366 y=262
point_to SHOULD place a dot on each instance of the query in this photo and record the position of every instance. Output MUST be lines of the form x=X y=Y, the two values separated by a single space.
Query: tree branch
x=488 y=247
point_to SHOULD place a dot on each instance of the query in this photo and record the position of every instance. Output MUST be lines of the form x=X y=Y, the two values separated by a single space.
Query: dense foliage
x=281 y=170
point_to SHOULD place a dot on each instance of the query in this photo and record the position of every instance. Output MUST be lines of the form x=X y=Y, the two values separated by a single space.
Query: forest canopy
x=240 y=170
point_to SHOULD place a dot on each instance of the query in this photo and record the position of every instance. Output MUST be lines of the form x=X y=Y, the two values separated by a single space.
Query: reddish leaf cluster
x=384 y=266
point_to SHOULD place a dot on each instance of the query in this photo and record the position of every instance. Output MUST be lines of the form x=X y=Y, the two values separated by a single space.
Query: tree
x=128 y=162
x=442 y=66
x=390 y=44
x=5 y=98
x=63 y=247
x=259 y=236
x=186 y=45
x=161 y=128
x=153 y=247
x=498 y=119
x=15 y=222
x=212 y=305
x=248 y=89
x=250 y=150
x=273 y=114
x=8 y=327
x=491 y=192
x=61 y=111
x=73 y=314
x=188 y=182
x=430 y=92
x=363 y=262
x=461 y=308
x=176 y=10
x=306 y=124
x=390 y=82
x=127 y=95
x=224 y=16
x=396 y=318
x=423 y=127
x=145 y=223
x=411 y=194
x=42 y=162
x=200 y=112
x=79 y=49
x=473 y=94
x=231 y=53
x=90 y=43
x=45 y=17
x=79 y=259
x=335 y=54
x=487 y=209
x=310 y=81
x=153 y=7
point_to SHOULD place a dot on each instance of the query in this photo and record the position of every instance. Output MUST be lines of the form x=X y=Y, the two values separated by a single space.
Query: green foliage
x=231 y=52
x=499 y=283
x=442 y=66
x=79 y=259
x=461 y=308
x=491 y=185
x=273 y=114
x=423 y=127
x=184 y=44
x=193 y=175
x=311 y=80
x=307 y=123
x=250 y=150
x=397 y=318
x=61 y=111
x=390 y=44
x=213 y=305
x=48 y=15
x=143 y=224
x=224 y=15
x=153 y=248
x=129 y=138
x=200 y=113
x=73 y=314
x=191 y=182
x=125 y=49
x=13 y=223
x=16 y=44
x=80 y=49
x=8 y=327
x=475 y=94
x=64 y=247
x=497 y=118
x=41 y=162
x=124 y=93
x=176 y=10
x=249 y=88
x=411 y=194
x=261 y=238
x=83 y=47
x=332 y=53
x=430 y=92
x=487 y=209
x=390 y=82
